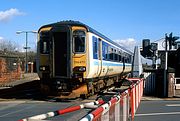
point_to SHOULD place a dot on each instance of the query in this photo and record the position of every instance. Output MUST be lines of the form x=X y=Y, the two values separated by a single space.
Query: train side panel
x=102 y=68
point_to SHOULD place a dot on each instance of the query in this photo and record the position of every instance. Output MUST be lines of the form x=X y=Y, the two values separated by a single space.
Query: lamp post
x=26 y=46
x=165 y=67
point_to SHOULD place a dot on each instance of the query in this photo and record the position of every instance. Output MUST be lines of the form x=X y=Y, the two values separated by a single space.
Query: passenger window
x=104 y=51
x=120 y=57
x=79 y=41
x=95 y=48
x=111 y=54
x=129 y=58
x=116 y=55
x=125 y=58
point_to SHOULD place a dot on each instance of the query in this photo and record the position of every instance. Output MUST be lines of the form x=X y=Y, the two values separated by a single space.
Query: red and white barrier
x=63 y=111
x=121 y=107
x=105 y=112
x=132 y=101
x=136 y=93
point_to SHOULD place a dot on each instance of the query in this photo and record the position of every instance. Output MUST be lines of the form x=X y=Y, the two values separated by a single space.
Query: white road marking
x=9 y=104
x=16 y=111
x=155 y=114
x=173 y=105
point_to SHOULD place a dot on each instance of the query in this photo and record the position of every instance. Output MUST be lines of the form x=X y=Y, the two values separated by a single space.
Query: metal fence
x=121 y=107
x=150 y=83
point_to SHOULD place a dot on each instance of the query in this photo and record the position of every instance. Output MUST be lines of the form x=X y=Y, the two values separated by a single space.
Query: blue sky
x=126 y=21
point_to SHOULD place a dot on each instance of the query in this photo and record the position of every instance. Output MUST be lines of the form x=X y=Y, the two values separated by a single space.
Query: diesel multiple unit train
x=74 y=59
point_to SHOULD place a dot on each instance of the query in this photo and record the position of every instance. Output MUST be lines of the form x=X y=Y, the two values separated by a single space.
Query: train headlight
x=79 y=69
x=43 y=68
x=82 y=69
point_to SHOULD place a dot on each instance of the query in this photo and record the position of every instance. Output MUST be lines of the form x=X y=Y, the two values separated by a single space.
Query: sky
x=124 y=21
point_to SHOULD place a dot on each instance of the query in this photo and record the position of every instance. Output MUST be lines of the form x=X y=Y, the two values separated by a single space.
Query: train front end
x=62 y=58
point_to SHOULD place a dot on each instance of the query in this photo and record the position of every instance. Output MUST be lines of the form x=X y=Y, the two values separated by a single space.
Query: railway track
x=31 y=90
x=28 y=90
x=34 y=102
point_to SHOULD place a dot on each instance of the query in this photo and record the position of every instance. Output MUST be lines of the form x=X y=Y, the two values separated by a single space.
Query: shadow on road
x=30 y=91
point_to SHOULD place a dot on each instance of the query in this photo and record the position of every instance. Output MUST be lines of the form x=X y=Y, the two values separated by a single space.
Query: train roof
x=89 y=29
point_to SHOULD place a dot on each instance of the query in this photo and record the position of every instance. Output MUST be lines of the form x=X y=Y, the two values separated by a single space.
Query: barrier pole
x=132 y=94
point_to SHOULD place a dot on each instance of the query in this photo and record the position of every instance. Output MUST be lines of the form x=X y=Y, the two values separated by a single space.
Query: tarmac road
x=22 y=99
x=158 y=110
x=14 y=110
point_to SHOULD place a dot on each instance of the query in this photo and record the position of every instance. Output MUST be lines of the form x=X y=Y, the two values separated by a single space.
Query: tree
x=31 y=56
x=6 y=45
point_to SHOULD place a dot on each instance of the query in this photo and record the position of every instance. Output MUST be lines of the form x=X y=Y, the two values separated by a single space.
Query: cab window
x=79 y=41
x=44 y=42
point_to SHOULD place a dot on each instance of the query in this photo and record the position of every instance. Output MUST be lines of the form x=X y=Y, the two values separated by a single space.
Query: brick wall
x=10 y=69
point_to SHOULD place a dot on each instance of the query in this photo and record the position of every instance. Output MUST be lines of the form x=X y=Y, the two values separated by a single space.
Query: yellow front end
x=43 y=60
x=79 y=59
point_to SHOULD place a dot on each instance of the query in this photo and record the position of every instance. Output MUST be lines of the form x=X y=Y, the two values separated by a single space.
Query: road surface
x=158 y=110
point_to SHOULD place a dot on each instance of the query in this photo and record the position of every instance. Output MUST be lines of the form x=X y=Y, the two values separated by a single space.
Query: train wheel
x=84 y=96
x=90 y=88
x=45 y=89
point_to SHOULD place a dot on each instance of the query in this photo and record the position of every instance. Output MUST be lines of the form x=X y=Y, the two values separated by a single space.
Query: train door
x=124 y=61
x=61 y=52
x=99 y=56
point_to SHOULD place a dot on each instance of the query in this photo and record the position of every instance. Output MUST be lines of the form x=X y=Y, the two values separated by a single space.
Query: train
x=76 y=60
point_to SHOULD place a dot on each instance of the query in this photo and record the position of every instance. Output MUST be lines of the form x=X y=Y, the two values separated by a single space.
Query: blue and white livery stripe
x=108 y=63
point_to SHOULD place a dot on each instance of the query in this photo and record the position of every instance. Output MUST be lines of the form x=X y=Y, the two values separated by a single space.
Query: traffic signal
x=154 y=46
x=146 y=48
x=149 y=49
x=172 y=40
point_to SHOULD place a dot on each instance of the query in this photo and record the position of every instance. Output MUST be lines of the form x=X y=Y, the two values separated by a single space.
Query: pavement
x=158 y=110
x=25 y=77
x=152 y=98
